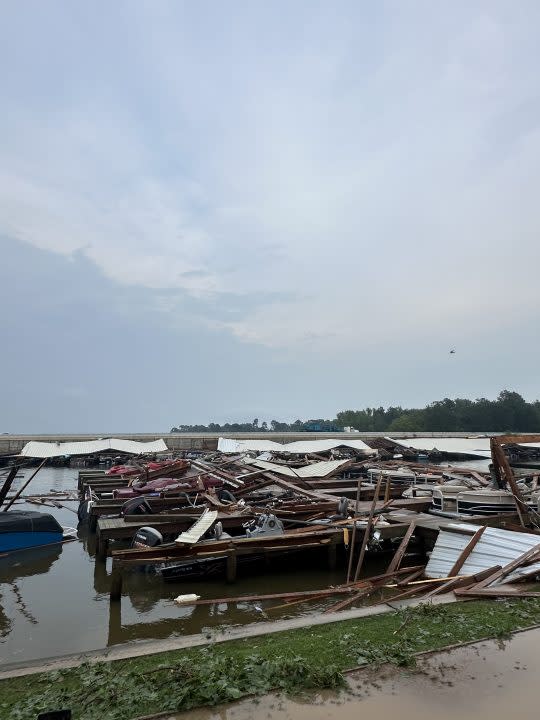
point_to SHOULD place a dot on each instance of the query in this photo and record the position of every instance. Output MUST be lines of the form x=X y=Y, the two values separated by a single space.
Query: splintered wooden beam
x=353 y=539
x=523 y=559
x=400 y=552
x=409 y=593
x=501 y=591
x=463 y=582
x=367 y=533
x=467 y=550
x=368 y=586
x=500 y=461
x=409 y=578
x=351 y=600
x=308 y=594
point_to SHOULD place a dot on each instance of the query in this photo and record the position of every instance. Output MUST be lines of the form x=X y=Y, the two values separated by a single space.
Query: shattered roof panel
x=301 y=447
x=457 y=446
x=57 y=449
x=495 y=547
x=316 y=470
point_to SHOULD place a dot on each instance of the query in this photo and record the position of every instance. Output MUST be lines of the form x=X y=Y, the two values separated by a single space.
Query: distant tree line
x=508 y=413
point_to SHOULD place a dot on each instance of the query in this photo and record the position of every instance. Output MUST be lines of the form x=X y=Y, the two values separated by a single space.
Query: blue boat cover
x=19 y=521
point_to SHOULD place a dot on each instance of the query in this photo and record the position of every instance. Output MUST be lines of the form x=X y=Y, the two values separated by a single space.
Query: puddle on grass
x=487 y=681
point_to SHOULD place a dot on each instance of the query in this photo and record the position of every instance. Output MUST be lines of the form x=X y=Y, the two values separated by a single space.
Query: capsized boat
x=22 y=529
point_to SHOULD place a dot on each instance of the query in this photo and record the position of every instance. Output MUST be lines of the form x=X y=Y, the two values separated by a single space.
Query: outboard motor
x=219 y=532
x=266 y=524
x=224 y=494
x=136 y=506
x=83 y=511
x=343 y=507
x=146 y=537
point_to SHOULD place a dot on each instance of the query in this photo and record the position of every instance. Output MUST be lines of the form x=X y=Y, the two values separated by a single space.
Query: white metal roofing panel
x=197 y=530
x=459 y=446
x=315 y=446
x=228 y=445
x=316 y=470
x=272 y=467
x=56 y=449
x=321 y=469
x=495 y=547
x=302 y=447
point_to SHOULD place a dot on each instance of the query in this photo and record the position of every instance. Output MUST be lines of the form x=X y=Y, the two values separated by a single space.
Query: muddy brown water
x=486 y=681
x=56 y=601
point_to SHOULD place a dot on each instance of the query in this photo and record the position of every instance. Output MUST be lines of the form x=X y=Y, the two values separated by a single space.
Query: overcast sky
x=228 y=210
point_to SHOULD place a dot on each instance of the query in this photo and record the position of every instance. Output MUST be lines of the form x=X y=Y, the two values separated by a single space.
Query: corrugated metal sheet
x=316 y=470
x=197 y=530
x=227 y=445
x=459 y=446
x=301 y=447
x=50 y=450
x=495 y=547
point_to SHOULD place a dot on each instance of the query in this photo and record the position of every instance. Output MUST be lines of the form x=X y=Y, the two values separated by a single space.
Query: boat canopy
x=37 y=449
x=23 y=521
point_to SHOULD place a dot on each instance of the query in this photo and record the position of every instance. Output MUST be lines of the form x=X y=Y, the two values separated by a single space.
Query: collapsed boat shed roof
x=478 y=446
x=316 y=470
x=300 y=447
x=44 y=450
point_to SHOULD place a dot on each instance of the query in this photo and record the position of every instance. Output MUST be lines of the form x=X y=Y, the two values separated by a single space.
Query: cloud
x=309 y=176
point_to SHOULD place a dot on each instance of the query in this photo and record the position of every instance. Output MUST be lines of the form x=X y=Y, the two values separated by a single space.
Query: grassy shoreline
x=292 y=661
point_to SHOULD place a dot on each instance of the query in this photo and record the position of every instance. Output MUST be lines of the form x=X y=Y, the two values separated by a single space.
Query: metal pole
x=32 y=476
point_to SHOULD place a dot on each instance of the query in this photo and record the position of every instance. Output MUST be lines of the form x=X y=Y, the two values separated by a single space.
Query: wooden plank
x=409 y=578
x=467 y=550
x=372 y=584
x=353 y=539
x=461 y=582
x=351 y=600
x=400 y=552
x=409 y=593
x=523 y=559
x=502 y=591
x=367 y=532
x=501 y=462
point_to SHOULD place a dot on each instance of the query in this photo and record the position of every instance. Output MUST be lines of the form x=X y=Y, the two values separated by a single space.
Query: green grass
x=291 y=661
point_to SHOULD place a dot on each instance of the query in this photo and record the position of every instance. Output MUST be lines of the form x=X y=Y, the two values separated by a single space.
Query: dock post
x=116 y=583
x=231 y=566
x=332 y=554
x=101 y=548
x=92 y=522
x=115 y=623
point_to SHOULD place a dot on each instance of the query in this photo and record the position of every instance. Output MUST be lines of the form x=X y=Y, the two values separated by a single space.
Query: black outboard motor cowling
x=147 y=537
x=136 y=506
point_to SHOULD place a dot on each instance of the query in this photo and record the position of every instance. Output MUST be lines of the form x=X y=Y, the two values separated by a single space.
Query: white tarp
x=316 y=470
x=301 y=447
x=457 y=446
x=88 y=447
